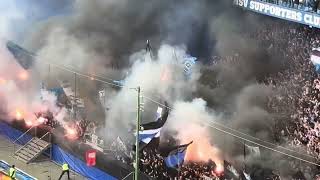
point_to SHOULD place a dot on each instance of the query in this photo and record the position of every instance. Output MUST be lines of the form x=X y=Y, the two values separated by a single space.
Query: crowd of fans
x=298 y=101
x=307 y=5
x=153 y=164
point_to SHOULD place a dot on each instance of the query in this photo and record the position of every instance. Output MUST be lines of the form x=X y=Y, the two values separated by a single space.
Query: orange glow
x=71 y=133
x=23 y=75
x=28 y=123
x=41 y=120
x=19 y=114
x=202 y=150
x=2 y=81
x=219 y=169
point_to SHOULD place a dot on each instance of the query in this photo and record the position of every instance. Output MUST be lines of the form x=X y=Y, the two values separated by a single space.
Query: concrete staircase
x=30 y=151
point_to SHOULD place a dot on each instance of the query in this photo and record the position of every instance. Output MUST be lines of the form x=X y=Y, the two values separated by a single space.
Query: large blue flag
x=176 y=156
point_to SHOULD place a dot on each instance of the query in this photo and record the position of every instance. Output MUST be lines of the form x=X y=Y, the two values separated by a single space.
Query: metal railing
x=22 y=135
x=43 y=137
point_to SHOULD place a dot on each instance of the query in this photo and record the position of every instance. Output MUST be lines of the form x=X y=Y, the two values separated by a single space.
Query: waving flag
x=23 y=57
x=176 y=156
x=119 y=83
x=151 y=131
x=189 y=62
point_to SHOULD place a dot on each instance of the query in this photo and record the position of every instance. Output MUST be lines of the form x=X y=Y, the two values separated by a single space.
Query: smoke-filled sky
x=108 y=38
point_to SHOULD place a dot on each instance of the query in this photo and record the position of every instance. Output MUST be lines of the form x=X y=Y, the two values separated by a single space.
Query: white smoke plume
x=189 y=120
x=162 y=78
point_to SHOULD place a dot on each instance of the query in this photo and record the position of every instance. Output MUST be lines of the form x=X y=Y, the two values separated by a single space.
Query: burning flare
x=29 y=123
x=71 y=132
x=23 y=75
x=19 y=114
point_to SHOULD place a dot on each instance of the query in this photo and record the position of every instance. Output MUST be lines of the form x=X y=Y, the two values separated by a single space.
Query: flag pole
x=136 y=174
x=244 y=154
x=179 y=167
x=75 y=95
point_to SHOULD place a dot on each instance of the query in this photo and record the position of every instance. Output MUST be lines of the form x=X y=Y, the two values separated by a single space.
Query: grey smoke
x=106 y=37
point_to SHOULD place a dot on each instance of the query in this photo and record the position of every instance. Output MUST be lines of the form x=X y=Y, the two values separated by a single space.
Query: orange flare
x=19 y=114
x=2 y=81
x=28 y=123
x=71 y=133
x=23 y=75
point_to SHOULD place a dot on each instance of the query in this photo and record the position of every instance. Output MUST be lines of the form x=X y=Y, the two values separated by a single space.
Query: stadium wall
x=58 y=155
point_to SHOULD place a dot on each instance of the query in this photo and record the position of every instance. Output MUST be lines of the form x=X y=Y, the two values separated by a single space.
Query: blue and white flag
x=147 y=135
x=176 y=156
x=315 y=58
x=151 y=131
x=119 y=83
x=188 y=63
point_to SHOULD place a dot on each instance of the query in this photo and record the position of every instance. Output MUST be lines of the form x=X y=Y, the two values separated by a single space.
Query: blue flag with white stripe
x=176 y=156
x=147 y=135
x=151 y=131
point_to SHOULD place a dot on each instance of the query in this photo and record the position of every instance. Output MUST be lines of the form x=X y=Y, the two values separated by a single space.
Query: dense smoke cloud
x=161 y=78
x=251 y=115
x=107 y=38
x=119 y=28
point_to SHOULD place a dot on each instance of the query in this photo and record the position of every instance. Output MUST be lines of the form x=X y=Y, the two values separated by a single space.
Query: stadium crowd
x=307 y=5
x=153 y=164
x=299 y=83
x=297 y=103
